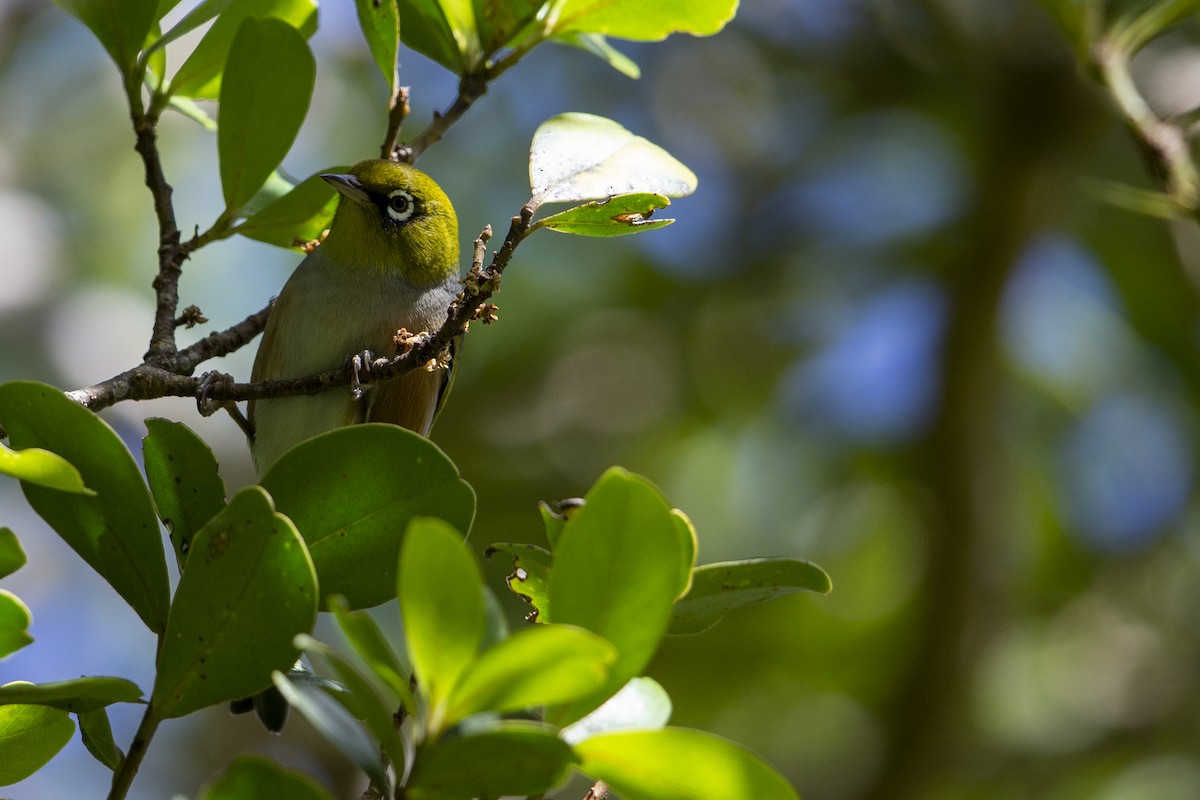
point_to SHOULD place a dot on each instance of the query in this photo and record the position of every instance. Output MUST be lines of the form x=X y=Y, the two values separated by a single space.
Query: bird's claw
x=360 y=362
x=209 y=381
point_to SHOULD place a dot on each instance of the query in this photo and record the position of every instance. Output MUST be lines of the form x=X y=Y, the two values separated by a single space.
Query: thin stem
x=398 y=109
x=123 y=777
x=470 y=88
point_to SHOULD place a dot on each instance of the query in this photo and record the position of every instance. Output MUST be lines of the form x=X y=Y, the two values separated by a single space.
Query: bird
x=390 y=260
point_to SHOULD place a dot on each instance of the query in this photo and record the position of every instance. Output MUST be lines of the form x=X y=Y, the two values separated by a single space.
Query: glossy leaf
x=632 y=19
x=598 y=46
x=116 y=531
x=441 y=602
x=77 y=695
x=499 y=21
x=182 y=472
x=719 y=588
x=336 y=725
x=535 y=666
x=14 y=624
x=530 y=576
x=248 y=589
x=255 y=778
x=688 y=544
x=507 y=758
x=200 y=76
x=613 y=216
x=351 y=493
x=97 y=735
x=120 y=25
x=642 y=704
x=426 y=30
x=577 y=157
x=364 y=636
x=380 y=23
x=300 y=216
x=679 y=764
x=199 y=15
x=29 y=737
x=12 y=557
x=616 y=573
x=270 y=77
x=42 y=468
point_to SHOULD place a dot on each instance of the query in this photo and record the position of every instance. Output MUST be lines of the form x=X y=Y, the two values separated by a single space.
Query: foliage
x=361 y=515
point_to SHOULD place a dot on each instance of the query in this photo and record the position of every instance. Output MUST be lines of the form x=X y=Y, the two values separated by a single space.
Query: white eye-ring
x=400 y=205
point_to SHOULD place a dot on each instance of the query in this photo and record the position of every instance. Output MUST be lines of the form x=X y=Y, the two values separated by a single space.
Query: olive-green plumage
x=390 y=261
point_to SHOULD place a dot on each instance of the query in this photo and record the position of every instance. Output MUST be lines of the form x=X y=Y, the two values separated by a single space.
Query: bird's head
x=393 y=217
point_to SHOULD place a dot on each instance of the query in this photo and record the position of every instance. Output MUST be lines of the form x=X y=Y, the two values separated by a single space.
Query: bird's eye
x=400 y=205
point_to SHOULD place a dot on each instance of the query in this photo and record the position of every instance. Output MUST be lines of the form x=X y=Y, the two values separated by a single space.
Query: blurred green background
x=894 y=332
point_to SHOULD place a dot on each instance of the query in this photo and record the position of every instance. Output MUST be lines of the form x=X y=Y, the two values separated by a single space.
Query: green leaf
x=14 y=624
x=351 y=493
x=530 y=576
x=552 y=521
x=719 y=588
x=248 y=589
x=365 y=638
x=96 y=732
x=193 y=19
x=182 y=472
x=120 y=25
x=613 y=216
x=42 y=468
x=194 y=112
x=533 y=667
x=460 y=16
x=365 y=697
x=78 y=695
x=642 y=704
x=499 y=21
x=507 y=758
x=29 y=737
x=255 y=777
x=270 y=78
x=688 y=543
x=116 y=531
x=12 y=557
x=300 y=216
x=679 y=764
x=380 y=23
x=334 y=723
x=616 y=573
x=598 y=46
x=427 y=30
x=577 y=157
x=200 y=76
x=441 y=603
x=632 y=19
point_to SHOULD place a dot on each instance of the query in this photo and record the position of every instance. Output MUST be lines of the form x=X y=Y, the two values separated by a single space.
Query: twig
x=598 y=792
x=397 y=112
x=470 y=88
x=123 y=777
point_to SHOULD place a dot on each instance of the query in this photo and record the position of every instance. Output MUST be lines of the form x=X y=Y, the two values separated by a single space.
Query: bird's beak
x=348 y=185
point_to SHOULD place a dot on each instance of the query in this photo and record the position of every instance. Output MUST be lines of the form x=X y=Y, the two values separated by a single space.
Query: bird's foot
x=360 y=363
x=204 y=401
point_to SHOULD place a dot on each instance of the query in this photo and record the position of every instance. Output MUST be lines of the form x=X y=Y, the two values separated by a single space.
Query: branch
x=397 y=112
x=470 y=88
x=422 y=350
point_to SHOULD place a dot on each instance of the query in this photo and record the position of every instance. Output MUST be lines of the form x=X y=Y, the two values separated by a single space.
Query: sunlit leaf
x=719 y=588
x=530 y=576
x=14 y=623
x=632 y=19
x=42 y=468
x=609 y=576
x=29 y=737
x=12 y=557
x=507 y=758
x=679 y=764
x=576 y=157
x=248 y=589
x=120 y=25
x=499 y=21
x=441 y=602
x=182 y=472
x=351 y=493
x=364 y=636
x=598 y=46
x=257 y=778
x=380 y=23
x=116 y=531
x=200 y=75
x=535 y=666
x=642 y=704
x=77 y=695
x=271 y=74
x=302 y=215
x=613 y=216
x=426 y=30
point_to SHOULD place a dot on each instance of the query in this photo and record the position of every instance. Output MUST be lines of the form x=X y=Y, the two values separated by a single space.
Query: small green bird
x=389 y=261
